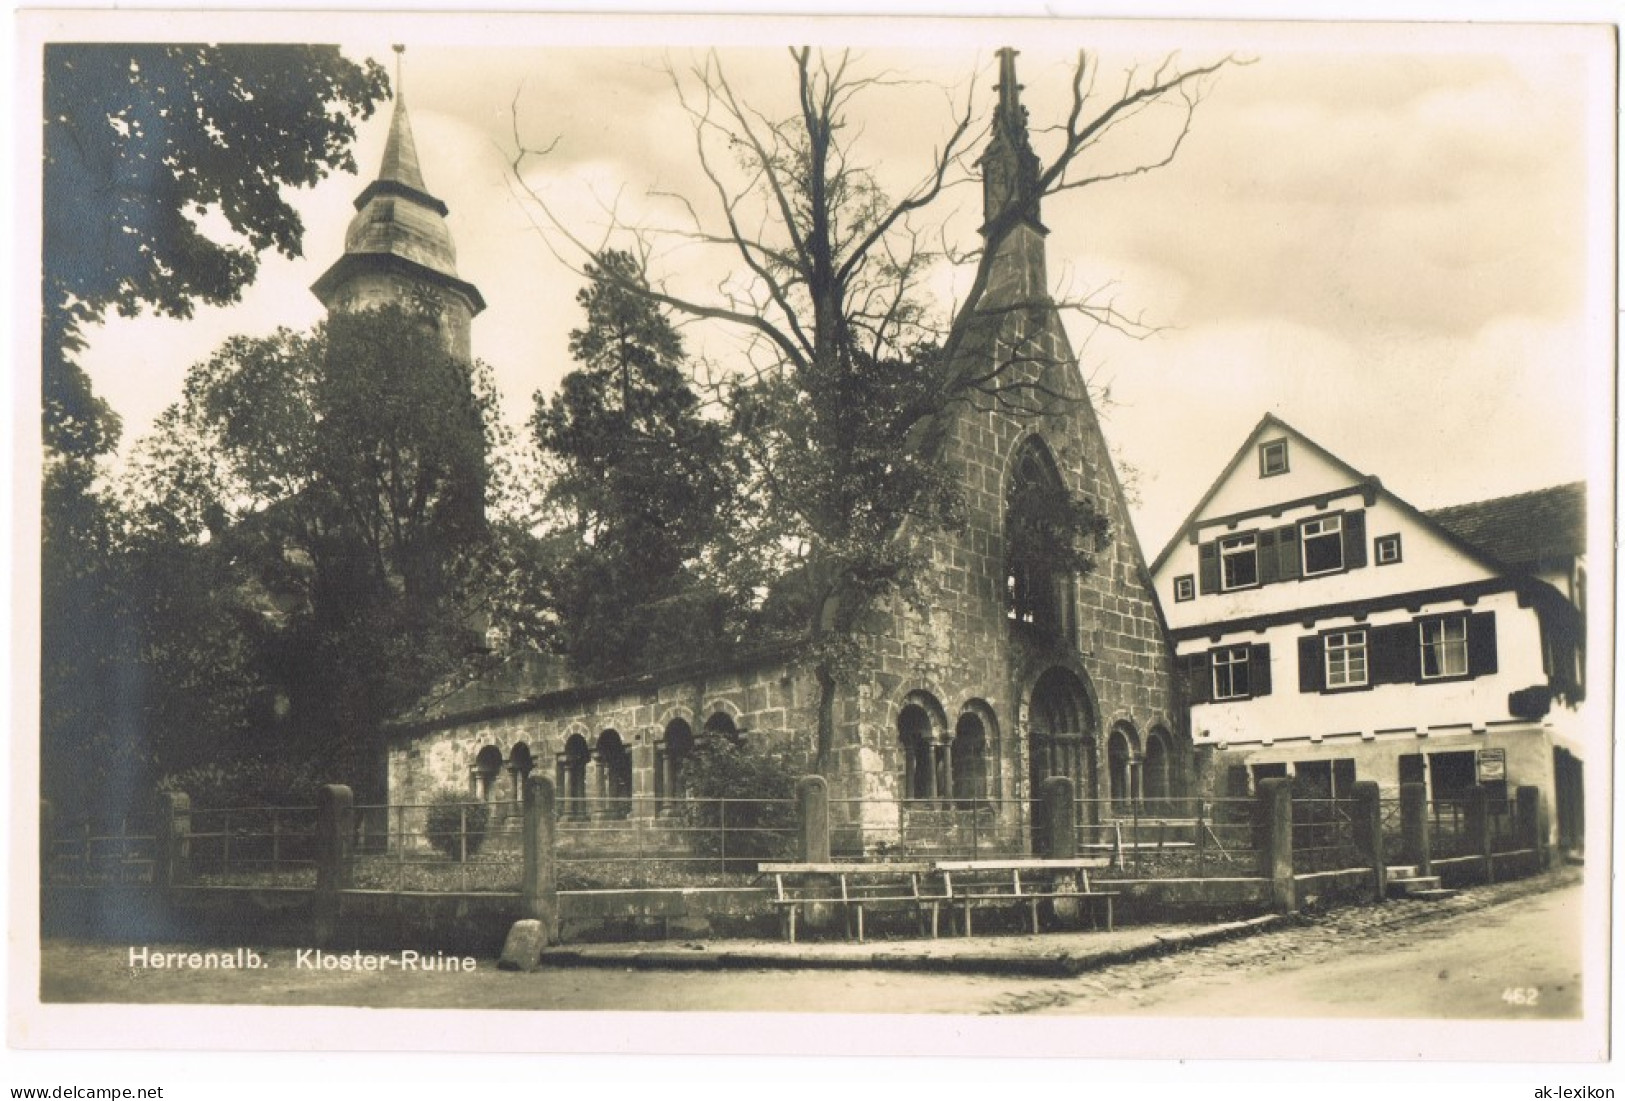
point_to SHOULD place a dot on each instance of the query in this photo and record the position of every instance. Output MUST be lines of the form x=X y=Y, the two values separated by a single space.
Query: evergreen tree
x=644 y=487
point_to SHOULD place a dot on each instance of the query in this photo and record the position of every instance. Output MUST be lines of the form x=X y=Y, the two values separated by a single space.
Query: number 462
x=1520 y=995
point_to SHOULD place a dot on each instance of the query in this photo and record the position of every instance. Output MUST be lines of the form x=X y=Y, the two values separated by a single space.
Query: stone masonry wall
x=961 y=649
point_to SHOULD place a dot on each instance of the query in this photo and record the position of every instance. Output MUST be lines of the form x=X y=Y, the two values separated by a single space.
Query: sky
x=1397 y=239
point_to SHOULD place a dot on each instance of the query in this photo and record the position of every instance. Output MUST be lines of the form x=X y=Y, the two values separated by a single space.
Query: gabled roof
x=1244 y=452
x=1472 y=550
x=1525 y=528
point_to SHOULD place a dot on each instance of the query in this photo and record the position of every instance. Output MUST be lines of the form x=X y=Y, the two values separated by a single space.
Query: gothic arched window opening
x=1050 y=537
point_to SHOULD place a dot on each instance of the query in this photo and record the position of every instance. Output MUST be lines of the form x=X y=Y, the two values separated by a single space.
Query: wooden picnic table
x=855 y=887
x=999 y=882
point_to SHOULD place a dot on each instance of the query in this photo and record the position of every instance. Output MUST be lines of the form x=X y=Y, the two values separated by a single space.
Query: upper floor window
x=1238 y=561
x=1232 y=678
x=1458 y=645
x=1388 y=549
x=1184 y=588
x=1444 y=647
x=1346 y=660
x=1322 y=542
x=1272 y=458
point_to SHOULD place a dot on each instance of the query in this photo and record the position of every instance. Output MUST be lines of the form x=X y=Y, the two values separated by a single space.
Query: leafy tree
x=141 y=143
x=331 y=485
x=644 y=483
x=843 y=407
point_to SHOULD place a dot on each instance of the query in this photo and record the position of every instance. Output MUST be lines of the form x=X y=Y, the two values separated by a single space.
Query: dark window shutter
x=1396 y=654
x=1481 y=654
x=1258 y=659
x=1198 y=681
x=1207 y=561
x=1268 y=571
x=1311 y=664
x=1291 y=560
x=1354 y=539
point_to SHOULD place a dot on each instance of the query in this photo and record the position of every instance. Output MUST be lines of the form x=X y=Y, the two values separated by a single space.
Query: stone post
x=1060 y=824
x=1367 y=809
x=172 y=845
x=540 y=890
x=1530 y=833
x=335 y=827
x=1275 y=821
x=1476 y=819
x=812 y=797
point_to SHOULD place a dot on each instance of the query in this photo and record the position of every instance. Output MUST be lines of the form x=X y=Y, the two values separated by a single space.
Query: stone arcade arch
x=572 y=777
x=614 y=795
x=1061 y=740
x=970 y=749
x=1122 y=765
x=482 y=776
x=922 y=732
x=671 y=755
x=1157 y=779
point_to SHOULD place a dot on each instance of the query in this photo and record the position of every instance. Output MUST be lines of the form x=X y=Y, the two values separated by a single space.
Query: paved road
x=1450 y=959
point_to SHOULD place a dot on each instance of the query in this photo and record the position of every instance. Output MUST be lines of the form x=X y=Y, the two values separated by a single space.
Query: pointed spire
x=400 y=164
x=398 y=225
x=1009 y=165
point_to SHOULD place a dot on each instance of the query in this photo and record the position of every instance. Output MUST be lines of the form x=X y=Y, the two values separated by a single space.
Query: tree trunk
x=827 y=684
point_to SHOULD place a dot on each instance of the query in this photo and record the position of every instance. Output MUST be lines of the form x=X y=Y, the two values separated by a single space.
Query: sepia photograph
x=1038 y=528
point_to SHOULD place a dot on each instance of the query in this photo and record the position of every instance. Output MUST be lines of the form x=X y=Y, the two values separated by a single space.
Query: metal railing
x=101 y=854
x=1323 y=837
x=1212 y=838
x=473 y=847
x=918 y=829
x=251 y=846
x=687 y=837
x=1392 y=821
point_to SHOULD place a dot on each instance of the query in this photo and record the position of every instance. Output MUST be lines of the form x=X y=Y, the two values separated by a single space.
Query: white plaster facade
x=1383 y=648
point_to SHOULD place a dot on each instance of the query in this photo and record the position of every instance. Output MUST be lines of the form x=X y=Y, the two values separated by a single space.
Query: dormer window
x=1272 y=458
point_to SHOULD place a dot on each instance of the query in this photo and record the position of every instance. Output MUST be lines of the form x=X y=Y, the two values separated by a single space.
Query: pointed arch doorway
x=1061 y=727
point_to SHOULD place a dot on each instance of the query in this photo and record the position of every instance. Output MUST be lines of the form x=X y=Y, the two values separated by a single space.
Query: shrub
x=764 y=828
x=450 y=814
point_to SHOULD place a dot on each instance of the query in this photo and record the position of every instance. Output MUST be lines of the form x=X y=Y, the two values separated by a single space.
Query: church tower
x=398 y=248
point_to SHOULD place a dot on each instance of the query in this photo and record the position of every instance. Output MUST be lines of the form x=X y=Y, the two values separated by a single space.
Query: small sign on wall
x=1492 y=765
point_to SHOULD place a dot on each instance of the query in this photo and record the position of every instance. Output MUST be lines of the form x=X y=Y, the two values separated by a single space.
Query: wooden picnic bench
x=851 y=889
x=972 y=883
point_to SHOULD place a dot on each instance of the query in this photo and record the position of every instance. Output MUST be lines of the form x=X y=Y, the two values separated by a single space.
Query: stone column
x=335 y=827
x=1415 y=828
x=1060 y=821
x=1275 y=822
x=539 y=892
x=1367 y=810
x=812 y=795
